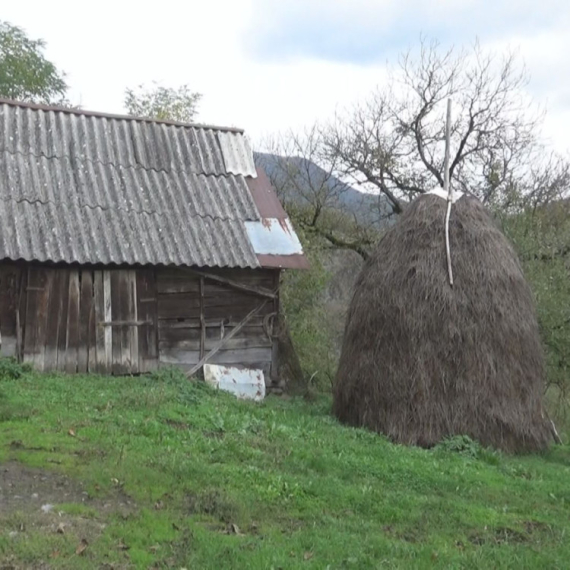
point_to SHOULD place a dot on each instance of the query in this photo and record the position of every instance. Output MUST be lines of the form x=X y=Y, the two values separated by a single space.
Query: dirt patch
x=500 y=535
x=40 y=501
x=24 y=489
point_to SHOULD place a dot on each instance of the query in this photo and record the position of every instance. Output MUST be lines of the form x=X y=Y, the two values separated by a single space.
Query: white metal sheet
x=246 y=384
x=273 y=236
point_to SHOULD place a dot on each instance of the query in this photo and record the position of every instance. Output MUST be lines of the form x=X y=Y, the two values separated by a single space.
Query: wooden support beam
x=223 y=341
x=202 y=320
x=234 y=284
x=124 y=323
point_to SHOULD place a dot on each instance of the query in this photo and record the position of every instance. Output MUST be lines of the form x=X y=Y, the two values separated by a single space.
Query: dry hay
x=421 y=360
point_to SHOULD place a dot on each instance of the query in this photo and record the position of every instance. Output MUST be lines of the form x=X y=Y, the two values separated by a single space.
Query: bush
x=168 y=375
x=11 y=369
x=461 y=444
x=542 y=239
x=305 y=312
x=467 y=447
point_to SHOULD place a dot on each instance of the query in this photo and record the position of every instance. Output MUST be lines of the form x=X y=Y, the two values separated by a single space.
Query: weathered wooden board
x=87 y=347
x=210 y=323
x=119 y=312
x=254 y=335
x=121 y=320
x=181 y=280
x=54 y=315
x=133 y=330
x=100 y=365
x=37 y=295
x=21 y=314
x=147 y=311
x=232 y=312
x=10 y=276
x=188 y=305
x=237 y=356
x=238 y=342
x=106 y=317
x=63 y=292
x=72 y=333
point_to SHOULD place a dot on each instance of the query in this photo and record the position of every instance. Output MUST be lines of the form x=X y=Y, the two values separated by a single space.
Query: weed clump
x=467 y=447
x=11 y=369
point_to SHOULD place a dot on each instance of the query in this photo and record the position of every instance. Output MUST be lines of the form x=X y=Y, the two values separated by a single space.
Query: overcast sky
x=266 y=65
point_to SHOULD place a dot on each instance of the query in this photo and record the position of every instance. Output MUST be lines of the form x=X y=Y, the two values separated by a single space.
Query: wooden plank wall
x=195 y=312
x=10 y=314
x=127 y=321
x=79 y=320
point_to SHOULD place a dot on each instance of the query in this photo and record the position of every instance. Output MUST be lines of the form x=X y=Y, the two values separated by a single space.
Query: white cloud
x=208 y=45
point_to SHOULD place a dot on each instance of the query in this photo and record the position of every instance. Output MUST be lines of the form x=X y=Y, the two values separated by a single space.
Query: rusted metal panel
x=246 y=383
x=281 y=249
x=298 y=261
x=265 y=197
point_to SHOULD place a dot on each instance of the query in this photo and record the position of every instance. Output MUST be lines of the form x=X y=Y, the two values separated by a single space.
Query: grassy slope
x=303 y=491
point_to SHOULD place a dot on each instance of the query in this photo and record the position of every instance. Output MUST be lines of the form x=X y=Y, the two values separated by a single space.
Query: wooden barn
x=127 y=244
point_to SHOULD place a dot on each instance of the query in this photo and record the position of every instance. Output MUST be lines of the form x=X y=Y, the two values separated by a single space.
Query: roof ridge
x=114 y=116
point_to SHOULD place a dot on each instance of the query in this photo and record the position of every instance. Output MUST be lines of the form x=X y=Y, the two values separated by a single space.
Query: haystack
x=422 y=360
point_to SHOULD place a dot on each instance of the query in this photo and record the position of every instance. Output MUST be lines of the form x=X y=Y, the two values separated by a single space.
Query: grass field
x=159 y=472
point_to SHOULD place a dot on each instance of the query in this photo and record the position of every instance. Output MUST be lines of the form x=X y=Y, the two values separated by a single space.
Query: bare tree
x=300 y=172
x=308 y=182
x=395 y=141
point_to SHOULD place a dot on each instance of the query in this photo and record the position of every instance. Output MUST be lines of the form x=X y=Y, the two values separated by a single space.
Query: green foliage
x=10 y=368
x=462 y=444
x=164 y=103
x=542 y=238
x=304 y=310
x=467 y=447
x=220 y=483
x=168 y=375
x=25 y=74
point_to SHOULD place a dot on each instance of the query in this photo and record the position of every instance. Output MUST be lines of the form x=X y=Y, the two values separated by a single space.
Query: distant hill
x=367 y=208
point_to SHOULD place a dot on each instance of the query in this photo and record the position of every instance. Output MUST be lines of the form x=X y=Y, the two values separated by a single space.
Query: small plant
x=11 y=369
x=461 y=444
x=168 y=375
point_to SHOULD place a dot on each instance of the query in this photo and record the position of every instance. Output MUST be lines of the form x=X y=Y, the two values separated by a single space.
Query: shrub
x=11 y=369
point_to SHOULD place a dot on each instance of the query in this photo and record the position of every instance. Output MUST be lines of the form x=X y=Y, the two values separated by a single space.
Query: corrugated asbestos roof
x=87 y=188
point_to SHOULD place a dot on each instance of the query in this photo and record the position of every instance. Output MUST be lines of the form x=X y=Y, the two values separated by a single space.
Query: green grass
x=218 y=483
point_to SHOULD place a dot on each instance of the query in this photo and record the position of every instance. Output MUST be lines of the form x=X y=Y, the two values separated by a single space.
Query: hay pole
x=447 y=188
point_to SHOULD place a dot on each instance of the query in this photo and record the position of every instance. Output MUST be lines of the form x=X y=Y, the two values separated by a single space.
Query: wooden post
x=202 y=320
x=108 y=334
x=447 y=188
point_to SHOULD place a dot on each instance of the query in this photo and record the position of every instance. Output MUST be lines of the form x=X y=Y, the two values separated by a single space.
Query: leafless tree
x=395 y=141
x=301 y=173
x=309 y=184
